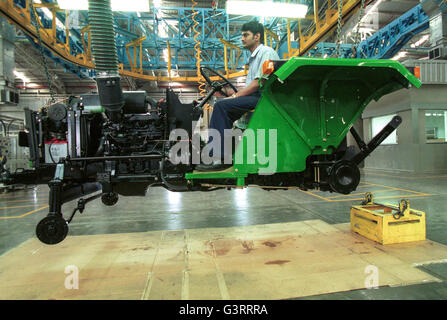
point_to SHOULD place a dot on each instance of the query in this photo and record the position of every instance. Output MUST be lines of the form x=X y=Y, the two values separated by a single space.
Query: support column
x=8 y=93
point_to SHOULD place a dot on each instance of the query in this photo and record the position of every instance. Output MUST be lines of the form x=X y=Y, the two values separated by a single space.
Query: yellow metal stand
x=386 y=223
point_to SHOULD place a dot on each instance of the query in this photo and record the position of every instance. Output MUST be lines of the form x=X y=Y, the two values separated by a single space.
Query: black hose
x=100 y=17
x=106 y=61
x=49 y=151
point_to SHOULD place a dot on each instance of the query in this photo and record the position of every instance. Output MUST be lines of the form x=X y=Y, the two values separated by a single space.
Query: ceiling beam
x=35 y=64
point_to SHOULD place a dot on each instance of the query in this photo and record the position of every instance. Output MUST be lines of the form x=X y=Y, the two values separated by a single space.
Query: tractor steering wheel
x=216 y=85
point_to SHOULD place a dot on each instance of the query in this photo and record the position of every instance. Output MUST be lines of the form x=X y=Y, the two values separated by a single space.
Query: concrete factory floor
x=160 y=210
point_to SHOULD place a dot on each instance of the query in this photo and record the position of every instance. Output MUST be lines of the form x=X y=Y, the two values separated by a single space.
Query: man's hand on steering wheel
x=219 y=87
x=215 y=86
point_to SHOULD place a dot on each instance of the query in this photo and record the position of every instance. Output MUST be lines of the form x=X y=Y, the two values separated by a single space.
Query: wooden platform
x=275 y=261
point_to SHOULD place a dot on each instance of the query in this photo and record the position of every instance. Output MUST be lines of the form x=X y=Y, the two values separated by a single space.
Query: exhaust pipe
x=104 y=53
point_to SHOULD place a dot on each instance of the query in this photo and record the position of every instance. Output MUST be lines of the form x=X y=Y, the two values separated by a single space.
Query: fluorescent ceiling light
x=420 y=41
x=399 y=55
x=21 y=76
x=117 y=5
x=267 y=9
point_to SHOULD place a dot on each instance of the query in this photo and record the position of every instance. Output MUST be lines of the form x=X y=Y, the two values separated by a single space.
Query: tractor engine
x=134 y=134
x=92 y=146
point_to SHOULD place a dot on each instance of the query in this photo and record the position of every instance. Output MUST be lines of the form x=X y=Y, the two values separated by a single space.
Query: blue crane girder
x=383 y=44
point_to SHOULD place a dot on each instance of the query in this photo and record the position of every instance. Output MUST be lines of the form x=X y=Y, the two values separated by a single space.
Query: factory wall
x=34 y=102
x=412 y=153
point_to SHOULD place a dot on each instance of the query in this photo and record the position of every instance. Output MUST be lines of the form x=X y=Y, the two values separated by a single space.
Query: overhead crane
x=140 y=46
x=322 y=26
x=383 y=44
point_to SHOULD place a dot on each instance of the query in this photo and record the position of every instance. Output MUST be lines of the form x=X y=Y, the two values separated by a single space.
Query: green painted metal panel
x=94 y=109
x=296 y=62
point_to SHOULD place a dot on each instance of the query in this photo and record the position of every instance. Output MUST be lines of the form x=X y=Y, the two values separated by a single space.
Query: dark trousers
x=226 y=111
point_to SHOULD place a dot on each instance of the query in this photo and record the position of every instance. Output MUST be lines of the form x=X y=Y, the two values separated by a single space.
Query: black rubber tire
x=109 y=199
x=52 y=229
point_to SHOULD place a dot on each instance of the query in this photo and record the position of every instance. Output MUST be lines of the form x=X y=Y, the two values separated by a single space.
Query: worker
x=230 y=109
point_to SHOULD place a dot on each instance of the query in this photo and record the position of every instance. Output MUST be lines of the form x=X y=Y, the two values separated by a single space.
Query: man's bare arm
x=227 y=90
x=248 y=90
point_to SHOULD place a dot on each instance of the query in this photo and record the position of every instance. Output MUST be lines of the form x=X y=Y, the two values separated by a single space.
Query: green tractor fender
x=308 y=106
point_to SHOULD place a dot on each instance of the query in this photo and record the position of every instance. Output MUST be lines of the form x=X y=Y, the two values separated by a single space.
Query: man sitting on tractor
x=230 y=109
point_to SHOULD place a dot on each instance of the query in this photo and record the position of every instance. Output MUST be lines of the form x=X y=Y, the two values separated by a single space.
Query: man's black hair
x=255 y=27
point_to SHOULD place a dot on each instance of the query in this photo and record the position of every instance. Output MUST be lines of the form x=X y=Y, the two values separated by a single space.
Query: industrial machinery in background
x=13 y=157
x=119 y=143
